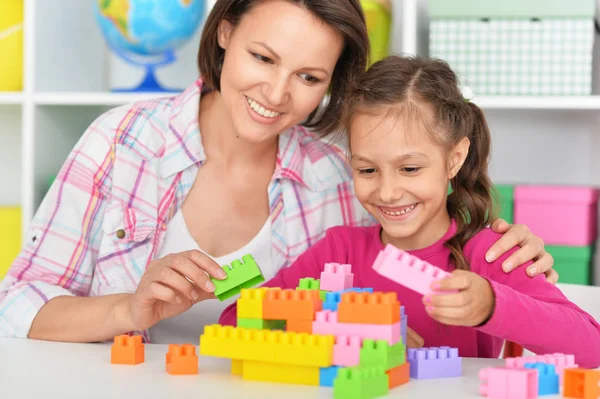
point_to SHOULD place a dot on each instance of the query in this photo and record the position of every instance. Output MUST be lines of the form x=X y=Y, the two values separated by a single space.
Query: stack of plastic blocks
x=241 y=274
x=356 y=348
x=528 y=377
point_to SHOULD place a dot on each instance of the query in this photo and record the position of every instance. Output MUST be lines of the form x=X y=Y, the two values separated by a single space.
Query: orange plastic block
x=399 y=375
x=299 y=326
x=127 y=350
x=182 y=360
x=369 y=308
x=582 y=383
x=296 y=304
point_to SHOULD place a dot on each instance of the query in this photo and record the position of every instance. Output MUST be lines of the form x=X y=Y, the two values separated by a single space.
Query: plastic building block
x=244 y=274
x=407 y=270
x=127 y=350
x=285 y=373
x=267 y=346
x=582 y=383
x=559 y=360
x=182 y=360
x=261 y=324
x=310 y=283
x=369 y=308
x=336 y=277
x=326 y=322
x=505 y=383
x=299 y=326
x=332 y=299
x=547 y=378
x=250 y=303
x=237 y=366
x=286 y=304
x=360 y=383
x=346 y=351
x=398 y=375
x=403 y=324
x=327 y=376
x=434 y=362
x=380 y=353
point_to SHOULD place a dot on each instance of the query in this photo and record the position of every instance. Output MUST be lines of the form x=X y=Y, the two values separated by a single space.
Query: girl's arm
x=309 y=264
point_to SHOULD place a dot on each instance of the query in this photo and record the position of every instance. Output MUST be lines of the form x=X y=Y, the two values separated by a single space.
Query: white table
x=37 y=369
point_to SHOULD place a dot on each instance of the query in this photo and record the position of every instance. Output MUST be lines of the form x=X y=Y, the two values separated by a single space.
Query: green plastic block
x=244 y=274
x=380 y=353
x=573 y=264
x=309 y=284
x=261 y=324
x=504 y=199
x=360 y=383
x=477 y=9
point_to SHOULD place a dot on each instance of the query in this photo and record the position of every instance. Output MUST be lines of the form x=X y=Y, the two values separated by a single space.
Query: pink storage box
x=560 y=215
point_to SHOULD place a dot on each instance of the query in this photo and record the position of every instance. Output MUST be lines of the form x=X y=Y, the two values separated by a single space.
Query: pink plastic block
x=560 y=215
x=559 y=360
x=326 y=322
x=346 y=351
x=407 y=270
x=503 y=383
x=336 y=277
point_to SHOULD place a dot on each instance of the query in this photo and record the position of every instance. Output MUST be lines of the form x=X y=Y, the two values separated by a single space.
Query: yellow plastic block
x=11 y=45
x=250 y=303
x=10 y=237
x=237 y=366
x=267 y=346
x=286 y=373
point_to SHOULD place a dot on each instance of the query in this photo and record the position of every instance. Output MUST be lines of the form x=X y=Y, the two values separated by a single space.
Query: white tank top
x=187 y=327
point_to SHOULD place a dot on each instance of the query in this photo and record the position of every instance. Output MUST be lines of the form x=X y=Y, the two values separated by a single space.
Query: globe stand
x=150 y=82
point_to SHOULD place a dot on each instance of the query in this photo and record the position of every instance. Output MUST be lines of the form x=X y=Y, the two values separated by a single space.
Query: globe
x=148 y=32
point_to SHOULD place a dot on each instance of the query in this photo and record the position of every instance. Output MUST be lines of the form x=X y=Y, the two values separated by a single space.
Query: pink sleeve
x=309 y=264
x=536 y=315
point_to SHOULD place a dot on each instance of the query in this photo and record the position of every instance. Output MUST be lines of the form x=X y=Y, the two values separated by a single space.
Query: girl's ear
x=224 y=33
x=457 y=157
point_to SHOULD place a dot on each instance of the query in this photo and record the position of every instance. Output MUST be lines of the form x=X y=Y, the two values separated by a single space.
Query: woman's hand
x=413 y=340
x=472 y=305
x=532 y=248
x=171 y=285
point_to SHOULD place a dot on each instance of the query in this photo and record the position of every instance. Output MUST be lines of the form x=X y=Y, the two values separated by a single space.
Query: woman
x=119 y=243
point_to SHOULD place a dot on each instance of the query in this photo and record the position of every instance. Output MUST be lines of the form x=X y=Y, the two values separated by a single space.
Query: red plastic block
x=559 y=360
x=291 y=304
x=346 y=351
x=369 y=308
x=336 y=277
x=127 y=350
x=182 y=360
x=299 y=326
x=408 y=270
x=399 y=375
x=582 y=383
x=504 y=383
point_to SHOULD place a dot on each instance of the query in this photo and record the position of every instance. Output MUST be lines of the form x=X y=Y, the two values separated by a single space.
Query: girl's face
x=401 y=177
x=278 y=64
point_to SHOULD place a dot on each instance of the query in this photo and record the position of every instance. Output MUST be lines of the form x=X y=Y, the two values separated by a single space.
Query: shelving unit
x=69 y=72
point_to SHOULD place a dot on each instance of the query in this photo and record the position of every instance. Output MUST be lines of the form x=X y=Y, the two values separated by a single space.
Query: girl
x=411 y=134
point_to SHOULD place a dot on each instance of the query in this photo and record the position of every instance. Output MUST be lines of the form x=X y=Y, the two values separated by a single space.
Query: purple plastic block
x=403 y=324
x=434 y=362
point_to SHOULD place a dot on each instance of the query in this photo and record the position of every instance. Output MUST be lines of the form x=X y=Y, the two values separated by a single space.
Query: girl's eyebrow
x=403 y=157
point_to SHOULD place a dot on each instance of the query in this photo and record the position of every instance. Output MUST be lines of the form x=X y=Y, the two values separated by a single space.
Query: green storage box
x=505 y=202
x=573 y=264
x=516 y=47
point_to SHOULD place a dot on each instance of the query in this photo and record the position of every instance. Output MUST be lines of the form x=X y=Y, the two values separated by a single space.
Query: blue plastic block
x=434 y=362
x=327 y=375
x=547 y=378
x=403 y=324
x=356 y=289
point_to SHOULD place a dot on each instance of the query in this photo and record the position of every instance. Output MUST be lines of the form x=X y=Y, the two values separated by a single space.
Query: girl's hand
x=413 y=340
x=171 y=286
x=472 y=305
x=532 y=248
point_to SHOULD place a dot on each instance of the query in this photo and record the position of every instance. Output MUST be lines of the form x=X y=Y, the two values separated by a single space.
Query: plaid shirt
x=104 y=219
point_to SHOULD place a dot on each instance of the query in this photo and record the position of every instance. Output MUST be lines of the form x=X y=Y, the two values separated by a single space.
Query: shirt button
x=120 y=233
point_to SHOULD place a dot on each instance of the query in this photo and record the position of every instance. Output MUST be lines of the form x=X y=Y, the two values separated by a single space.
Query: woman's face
x=278 y=64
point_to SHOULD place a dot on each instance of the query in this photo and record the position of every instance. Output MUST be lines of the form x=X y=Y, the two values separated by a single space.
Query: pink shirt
x=529 y=311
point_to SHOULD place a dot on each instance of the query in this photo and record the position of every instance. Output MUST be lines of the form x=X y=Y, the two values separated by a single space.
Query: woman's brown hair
x=344 y=16
x=429 y=89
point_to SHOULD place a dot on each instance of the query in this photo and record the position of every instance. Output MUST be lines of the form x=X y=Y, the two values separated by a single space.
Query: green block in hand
x=241 y=274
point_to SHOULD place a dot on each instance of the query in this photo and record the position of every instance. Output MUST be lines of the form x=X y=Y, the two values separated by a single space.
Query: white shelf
x=94 y=98
x=542 y=102
x=11 y=98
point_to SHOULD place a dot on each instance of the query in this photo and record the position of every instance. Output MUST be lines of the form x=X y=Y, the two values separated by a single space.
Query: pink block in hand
x=326 y=322
x=504 y=383
x=346 y=351
x=407 y=270
x=559 y=360
x=336 y=277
